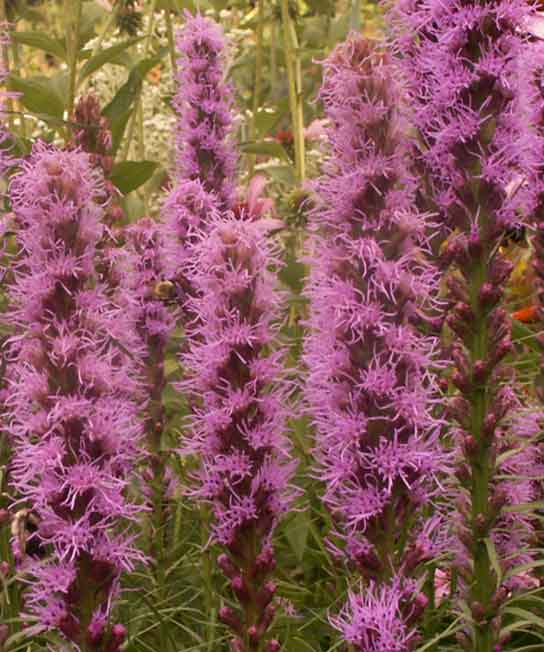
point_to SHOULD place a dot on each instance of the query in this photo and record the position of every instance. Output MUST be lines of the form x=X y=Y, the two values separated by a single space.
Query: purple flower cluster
x=236 y=384
x=186 y=212
x=461 y=59
x=204 y=106
x=377 y=621
x=370 y=386
x=72 y=418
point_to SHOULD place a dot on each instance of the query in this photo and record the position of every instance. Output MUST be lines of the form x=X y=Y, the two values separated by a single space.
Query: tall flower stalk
x=204 y=105
x=461 y=59
x=369 y=386
x=72 y=417
x=236 y=385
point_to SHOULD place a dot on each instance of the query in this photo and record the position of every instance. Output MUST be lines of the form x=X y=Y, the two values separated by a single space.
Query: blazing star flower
x=376 y=621
x=461 y=61
x=186 y=213
x=369 y=387
x=72 y=417
x=204 y=106
x=240 y=397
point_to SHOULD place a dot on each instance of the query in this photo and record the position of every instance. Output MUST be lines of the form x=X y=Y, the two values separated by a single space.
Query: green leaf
x=523 y=614
x=129 y=175
x=525 y=507
x=266 y=120
x=296 y=531
x=39 y=94
x=522 y=333
x=106 y=56
x=91 y=16
x=265 y=148
x=176 y=5
x=120 y=108
x=494 y=559
x=40 y=41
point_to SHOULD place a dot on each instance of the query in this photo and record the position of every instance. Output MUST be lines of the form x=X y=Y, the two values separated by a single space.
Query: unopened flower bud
x=230 y=618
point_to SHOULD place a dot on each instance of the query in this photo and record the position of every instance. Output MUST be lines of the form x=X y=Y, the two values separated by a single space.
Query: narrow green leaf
x=129 y=175
x=106 y=56
x=40 y=41
x=528 y=616
x=265 y=148
x=494 y=559
x=297 y=531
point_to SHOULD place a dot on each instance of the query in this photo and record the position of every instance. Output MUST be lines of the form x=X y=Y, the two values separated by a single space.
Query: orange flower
x=527 y=314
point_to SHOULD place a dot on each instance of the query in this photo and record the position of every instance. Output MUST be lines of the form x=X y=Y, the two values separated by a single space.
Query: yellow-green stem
x=258 y=79
x=5 y=60
x=483 y=582
x=171 y=42
x=134 y=117
x=294 y=79
x=17 y=65
x=73 y=9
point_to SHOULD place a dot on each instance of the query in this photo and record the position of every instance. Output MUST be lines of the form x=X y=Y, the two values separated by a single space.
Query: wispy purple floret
x=204 y=105
x=460 y=62
x=236 y=383
x=186 y=213
x=71 y=409
x=370 y=387
x=377 y=621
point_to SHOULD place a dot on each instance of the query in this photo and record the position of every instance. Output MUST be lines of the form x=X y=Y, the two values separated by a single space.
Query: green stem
x=134 y=117
x=294 y=79
x=207 y=577
x=258 y=79
x=483 y=585
x=18 y=66
x=73 y=9
x=171 y=42
x=5 y=60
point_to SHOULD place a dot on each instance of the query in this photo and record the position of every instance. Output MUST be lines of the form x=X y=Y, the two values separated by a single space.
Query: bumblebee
x=23 y=525
x=515 y=234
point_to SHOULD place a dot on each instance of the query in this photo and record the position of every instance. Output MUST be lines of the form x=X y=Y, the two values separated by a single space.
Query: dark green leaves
x=129 y=175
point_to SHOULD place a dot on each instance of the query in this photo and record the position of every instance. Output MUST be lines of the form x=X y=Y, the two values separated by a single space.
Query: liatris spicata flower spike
x=240 y=397
x=186 y=212
x=369 y=386
x=204 y=105
x=146 y=292
x=461 y=58
x=71 y=410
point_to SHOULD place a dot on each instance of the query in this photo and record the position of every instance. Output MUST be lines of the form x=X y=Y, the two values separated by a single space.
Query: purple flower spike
x=71 y=410
x=461 y=59
x=369 y=387
x=204 y=106
x=240 y=399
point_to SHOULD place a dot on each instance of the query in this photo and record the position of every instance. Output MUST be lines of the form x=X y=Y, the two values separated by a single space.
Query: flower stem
x=294 y=78
x=134 y=117
x=258 y=79
x=171 y=43
x=73 y=9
